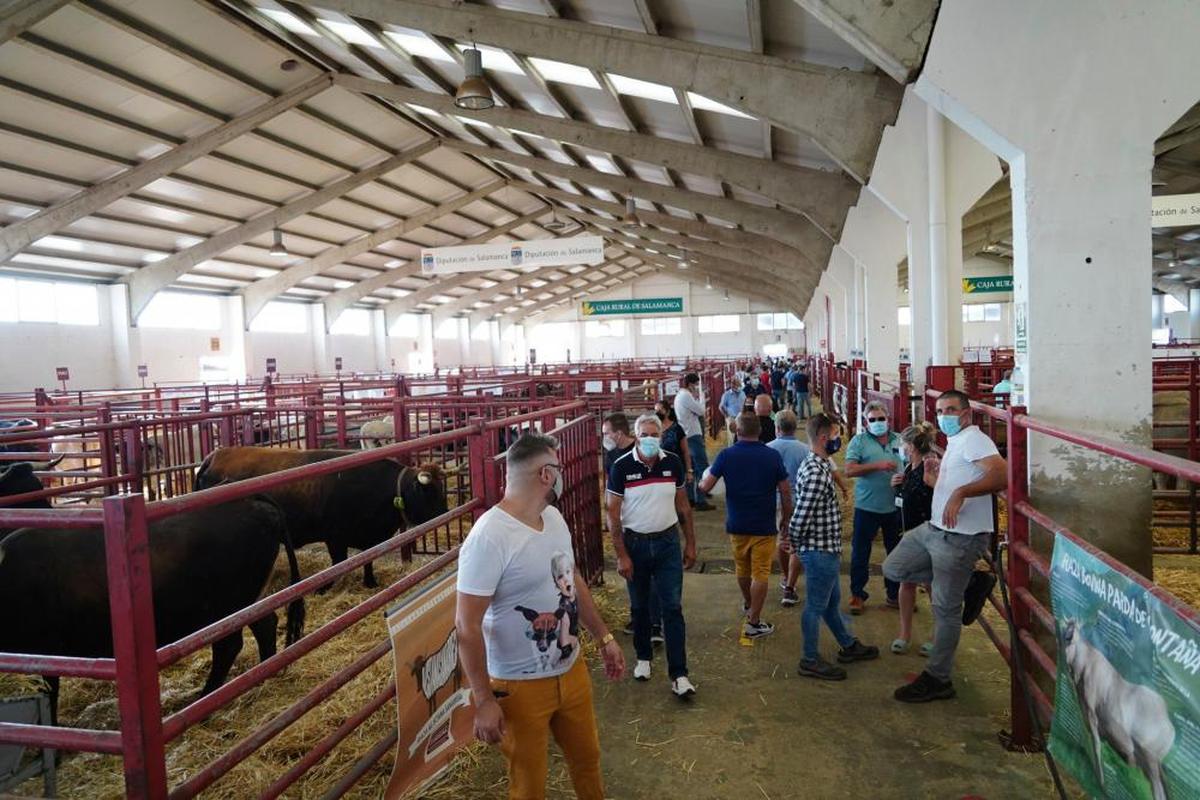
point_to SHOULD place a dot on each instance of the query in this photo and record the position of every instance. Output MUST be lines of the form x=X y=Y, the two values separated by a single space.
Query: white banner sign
x=1173 y=210
x=506 y=255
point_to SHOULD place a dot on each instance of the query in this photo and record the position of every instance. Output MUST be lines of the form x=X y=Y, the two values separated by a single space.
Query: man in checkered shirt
x=815 y=534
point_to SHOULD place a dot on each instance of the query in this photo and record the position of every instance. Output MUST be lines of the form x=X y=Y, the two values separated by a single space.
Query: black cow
x=356 y=508
x=205 y=565
x=18 y=478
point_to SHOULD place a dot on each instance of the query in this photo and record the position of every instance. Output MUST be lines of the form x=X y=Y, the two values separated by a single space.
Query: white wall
x=697 y=301
x=978 y=334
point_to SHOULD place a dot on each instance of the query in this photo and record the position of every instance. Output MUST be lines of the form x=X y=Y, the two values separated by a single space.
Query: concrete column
x=935 y=166
x=1194 y=314
x=841 y=275
x=1080 y=170
x=878 y=240
x=1157 y=320
x=322 y=361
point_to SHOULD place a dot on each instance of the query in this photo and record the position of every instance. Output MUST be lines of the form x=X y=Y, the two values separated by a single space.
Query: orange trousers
x=533 y=709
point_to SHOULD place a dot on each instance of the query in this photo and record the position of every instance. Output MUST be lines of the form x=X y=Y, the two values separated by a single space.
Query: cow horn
x=424 y=478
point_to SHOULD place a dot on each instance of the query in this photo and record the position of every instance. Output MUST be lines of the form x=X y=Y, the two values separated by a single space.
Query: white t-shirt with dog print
x=531 y=628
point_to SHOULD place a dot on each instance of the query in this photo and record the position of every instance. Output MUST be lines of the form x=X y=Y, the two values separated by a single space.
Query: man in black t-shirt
x=762 y=409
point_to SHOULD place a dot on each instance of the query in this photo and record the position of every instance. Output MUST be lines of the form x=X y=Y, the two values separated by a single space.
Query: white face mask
x=557 y=489
x=609 y=442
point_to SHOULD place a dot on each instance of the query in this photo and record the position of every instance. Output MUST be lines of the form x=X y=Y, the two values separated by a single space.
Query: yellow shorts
x=752 y=556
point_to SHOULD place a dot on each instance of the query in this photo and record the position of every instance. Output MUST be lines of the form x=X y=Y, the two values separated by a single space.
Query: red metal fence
x=123 y=520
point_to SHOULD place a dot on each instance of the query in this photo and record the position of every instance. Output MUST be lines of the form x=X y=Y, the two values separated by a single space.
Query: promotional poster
x=1126 y=711
x=433 y=702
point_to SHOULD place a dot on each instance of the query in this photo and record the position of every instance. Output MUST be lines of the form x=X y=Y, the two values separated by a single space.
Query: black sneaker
x=857 y=651
x=790 y=598
x=924 y=689
x=705 y=506
x=628 y=629
x=976 y=595
x=822 y=670
x=656 y=635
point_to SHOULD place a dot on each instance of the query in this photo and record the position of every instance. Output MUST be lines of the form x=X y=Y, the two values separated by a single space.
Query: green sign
x=1127 y=700
x=1000 y=283
x=646 y=305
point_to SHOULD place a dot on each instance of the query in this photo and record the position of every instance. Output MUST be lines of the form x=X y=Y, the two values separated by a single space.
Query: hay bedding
x=87 y=703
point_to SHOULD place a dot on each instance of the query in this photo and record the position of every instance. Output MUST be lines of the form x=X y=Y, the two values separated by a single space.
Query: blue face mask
x=950 y=424
x=833 y=445
x=877 y=428
x=649 y=445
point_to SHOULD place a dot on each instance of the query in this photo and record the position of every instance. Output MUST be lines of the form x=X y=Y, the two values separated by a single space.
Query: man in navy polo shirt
x=646 y=501
x=753 y=474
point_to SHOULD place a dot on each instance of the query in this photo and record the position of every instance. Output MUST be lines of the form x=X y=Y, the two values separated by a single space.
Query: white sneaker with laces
x=682 y=687
x=641 y=672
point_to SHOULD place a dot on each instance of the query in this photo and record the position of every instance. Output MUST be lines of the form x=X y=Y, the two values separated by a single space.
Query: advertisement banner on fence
x=1127 y=702
x=433 y=701
x=507 y=255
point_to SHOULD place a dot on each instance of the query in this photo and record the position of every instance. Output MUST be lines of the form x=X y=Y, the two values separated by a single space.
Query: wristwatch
x=608 y=637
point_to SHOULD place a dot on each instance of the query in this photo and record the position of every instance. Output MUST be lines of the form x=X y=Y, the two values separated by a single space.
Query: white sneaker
x=682 y=687
x=641 y=672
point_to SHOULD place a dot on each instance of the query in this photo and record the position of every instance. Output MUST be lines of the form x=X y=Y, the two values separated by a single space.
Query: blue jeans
x=822 y=596
x=866 y=524
x=803 y=405
x=658 y=564
x=699 y=464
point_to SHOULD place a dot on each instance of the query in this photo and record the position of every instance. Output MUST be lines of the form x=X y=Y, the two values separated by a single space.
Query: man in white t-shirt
x=943 y=551
x=520 y=605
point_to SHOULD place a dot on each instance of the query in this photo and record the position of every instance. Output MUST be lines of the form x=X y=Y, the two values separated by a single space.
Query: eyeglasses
x=876 y=419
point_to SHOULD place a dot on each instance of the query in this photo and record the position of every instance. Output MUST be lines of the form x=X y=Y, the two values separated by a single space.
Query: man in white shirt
x=689 y=408
x=943 y=551
x=520 y=604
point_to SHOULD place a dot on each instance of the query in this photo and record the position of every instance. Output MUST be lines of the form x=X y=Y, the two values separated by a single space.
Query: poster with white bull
x=433 y=701
x=1127 y=701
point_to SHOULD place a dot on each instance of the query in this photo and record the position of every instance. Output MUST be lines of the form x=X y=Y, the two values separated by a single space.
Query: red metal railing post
x=131 y=603
x=108 y=461
x=133 y=454
x=1193 y=407
x=479 y=461
x=340 y=405
x=1018 y=569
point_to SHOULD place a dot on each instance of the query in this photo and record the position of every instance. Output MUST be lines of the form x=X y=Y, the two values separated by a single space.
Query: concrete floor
x=756 y=730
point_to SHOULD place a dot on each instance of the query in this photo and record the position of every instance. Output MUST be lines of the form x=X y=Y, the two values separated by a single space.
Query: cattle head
x=421 y=493
x=18 y=478
x=543 y=627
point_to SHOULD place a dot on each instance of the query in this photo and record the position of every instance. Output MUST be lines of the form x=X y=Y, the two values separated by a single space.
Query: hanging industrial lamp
x=473 y=93
x=708 y=284
x=277 y=248
x=726 y=294
x=557 y=225
x=630 y=220
x=683 y=261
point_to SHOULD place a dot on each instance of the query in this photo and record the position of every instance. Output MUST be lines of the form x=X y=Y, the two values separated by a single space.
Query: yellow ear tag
x=398 y=502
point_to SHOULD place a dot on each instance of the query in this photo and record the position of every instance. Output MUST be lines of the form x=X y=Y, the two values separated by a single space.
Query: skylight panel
x=424 y=110
x=702 y=102
x=418 y=44
x=476 y=122
x=564 y=73
x=351 y=33
x=289 y=21
x=643 y=89
x=603 y=164
x=495 y=60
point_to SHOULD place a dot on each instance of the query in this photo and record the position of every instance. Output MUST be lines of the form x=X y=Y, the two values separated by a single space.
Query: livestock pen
x=160 y=734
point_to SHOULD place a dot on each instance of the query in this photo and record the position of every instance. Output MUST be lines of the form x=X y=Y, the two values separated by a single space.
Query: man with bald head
x=766 y=424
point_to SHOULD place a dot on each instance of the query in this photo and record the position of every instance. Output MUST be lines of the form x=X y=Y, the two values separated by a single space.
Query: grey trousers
x=945 y=560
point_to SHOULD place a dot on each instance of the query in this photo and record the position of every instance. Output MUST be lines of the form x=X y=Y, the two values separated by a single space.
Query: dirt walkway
x=756 y=730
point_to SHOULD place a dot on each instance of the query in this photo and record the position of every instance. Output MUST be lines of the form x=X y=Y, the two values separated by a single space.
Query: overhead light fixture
x=473 y=93
x=630 y=220
x=277 y=248
x=707 y=284
x=558 y=225
x=726 y=294
x=683 y=261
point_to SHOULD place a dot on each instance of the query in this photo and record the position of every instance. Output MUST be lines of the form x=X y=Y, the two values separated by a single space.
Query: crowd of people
x=783 y=501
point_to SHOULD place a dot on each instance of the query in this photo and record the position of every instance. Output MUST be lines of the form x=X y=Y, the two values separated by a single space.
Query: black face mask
x=662 y=417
